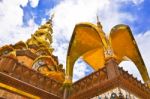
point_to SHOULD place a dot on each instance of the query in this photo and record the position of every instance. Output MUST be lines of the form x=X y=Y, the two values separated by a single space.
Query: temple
x=29 y=70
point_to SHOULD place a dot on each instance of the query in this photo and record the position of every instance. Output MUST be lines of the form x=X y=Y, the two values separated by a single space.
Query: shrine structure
x=29 y=70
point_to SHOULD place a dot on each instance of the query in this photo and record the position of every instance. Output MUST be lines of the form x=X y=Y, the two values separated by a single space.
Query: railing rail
x=89 y=81
x=11 y=67
x=133 y=79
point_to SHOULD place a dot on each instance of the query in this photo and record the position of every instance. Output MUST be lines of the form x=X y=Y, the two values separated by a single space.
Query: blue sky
x=140 y=11
x=20 y=18
x=39 y=12
x=142 y=14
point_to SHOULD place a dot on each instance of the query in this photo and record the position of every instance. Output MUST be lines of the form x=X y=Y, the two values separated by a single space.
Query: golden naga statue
x=90 y=43
x=42 y=37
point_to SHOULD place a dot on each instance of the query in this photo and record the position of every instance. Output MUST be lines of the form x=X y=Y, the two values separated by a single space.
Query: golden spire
x=42 y=36
x=99 y=25
x=105 y=41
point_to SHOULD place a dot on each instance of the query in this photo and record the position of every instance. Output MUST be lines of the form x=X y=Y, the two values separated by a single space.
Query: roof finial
x=51 y=19
x=99 y=23
x=52 y=16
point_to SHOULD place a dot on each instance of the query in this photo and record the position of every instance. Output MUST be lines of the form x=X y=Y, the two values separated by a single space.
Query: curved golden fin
x=85 y=38
x=124 y=45
x=95 y=58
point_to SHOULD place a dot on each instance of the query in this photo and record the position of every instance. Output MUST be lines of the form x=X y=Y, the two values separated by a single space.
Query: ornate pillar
x=112 y=68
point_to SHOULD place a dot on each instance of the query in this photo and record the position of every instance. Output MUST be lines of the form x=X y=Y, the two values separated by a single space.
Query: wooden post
x=66 y=93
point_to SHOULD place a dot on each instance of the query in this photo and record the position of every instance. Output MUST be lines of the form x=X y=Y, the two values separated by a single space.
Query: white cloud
x=11 y=21
x=22 y=2
x=135 y=2
x=80 y=70
x=34 y=3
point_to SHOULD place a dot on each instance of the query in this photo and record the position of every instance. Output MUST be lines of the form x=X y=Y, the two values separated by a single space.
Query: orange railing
x=89 y=81
x=11 y=67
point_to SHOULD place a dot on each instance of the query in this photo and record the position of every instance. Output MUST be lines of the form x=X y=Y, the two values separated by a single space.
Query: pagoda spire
x=42 y=36
x=107 y=47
